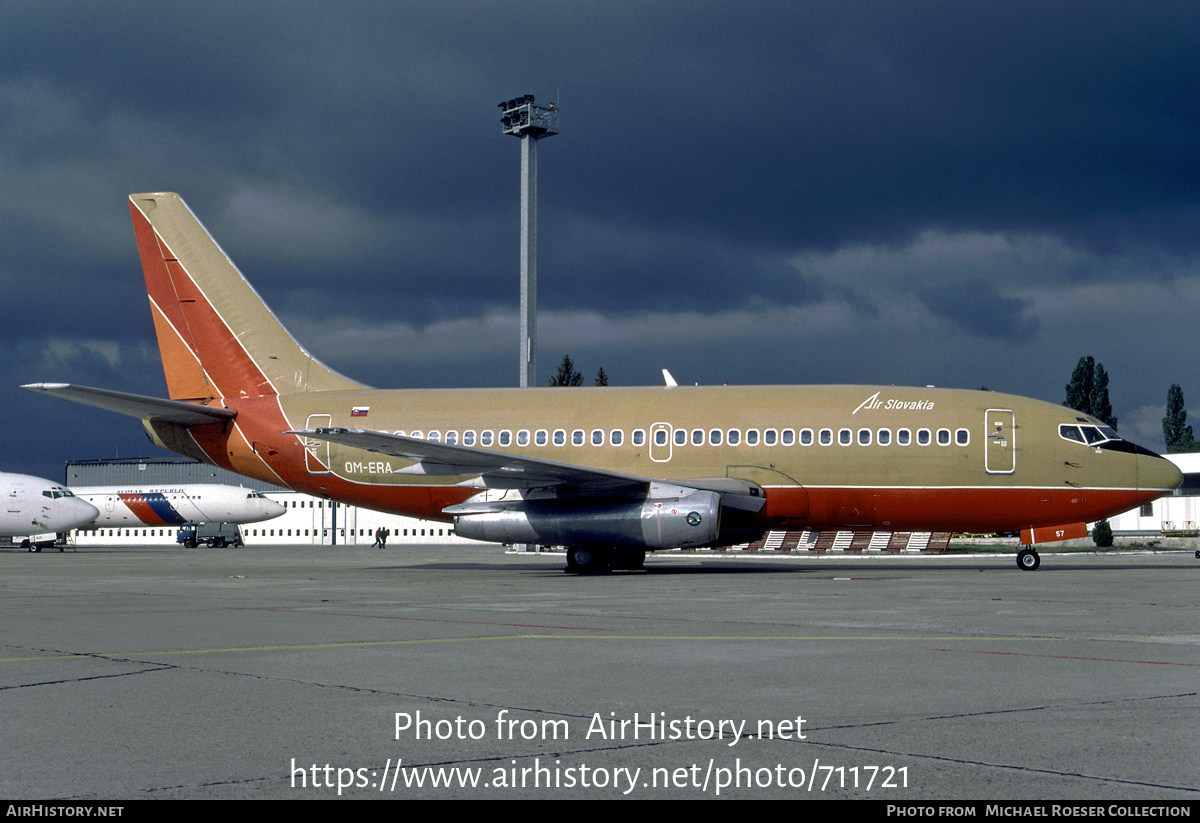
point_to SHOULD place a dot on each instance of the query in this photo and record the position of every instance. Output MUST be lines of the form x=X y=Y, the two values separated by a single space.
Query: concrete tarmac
x=312 y=672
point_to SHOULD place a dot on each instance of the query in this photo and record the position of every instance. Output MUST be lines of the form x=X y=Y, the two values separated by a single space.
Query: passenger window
x=883 y=437
x=714 y=437
x=844 y=437
x=826 y=437
x=660 y=437
x=485 y=438
x=399 y=433
x=452 y=437
x=540 y=437
x=770 y=437
x=417 y=434
x=943 y=437
x=577 y=437
x=751 y=437
x=560 y=437
x=697 y=437
x=469 y=437
x=864 y=437
x=597 y=437
x=962 y=437
x=506 y=438
x=681 y=437
x=639 y=437
x=904 y=437
x=435 y=436
x=616 y=437
x=806 y=437
x=788 y=437
x=923 y=437
x=523 y=438
x=733 y=437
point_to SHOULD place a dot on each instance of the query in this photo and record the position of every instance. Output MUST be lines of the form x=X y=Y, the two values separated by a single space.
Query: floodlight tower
x=531 y=123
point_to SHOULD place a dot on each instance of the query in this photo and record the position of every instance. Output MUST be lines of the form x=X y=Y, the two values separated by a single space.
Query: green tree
x=1178 y=435
x=566 y=374
x=1102 y=534
x=1088 y=391
x=601 y=377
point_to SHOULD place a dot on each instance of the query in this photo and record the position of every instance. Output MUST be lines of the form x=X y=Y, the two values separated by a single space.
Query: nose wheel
x=1028 y=560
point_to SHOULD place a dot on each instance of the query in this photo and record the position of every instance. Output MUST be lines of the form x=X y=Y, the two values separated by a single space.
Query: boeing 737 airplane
x=35 y=508
x=175 y=505
x=610 y=473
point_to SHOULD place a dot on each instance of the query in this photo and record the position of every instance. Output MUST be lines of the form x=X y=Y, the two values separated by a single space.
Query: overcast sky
x=953 y=193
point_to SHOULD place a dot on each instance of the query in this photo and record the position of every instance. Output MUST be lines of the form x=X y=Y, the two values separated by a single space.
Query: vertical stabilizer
x=216 y=336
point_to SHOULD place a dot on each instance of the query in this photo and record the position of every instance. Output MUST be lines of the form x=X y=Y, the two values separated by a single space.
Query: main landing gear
x=1028 y=560
x=587 y=560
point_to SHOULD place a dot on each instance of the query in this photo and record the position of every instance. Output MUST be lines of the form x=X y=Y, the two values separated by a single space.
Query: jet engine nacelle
x=653 y=523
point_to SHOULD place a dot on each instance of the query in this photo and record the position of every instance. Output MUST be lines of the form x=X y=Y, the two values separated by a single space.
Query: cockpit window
x=57 y=492
x=1070 y=433
x=1087 y=434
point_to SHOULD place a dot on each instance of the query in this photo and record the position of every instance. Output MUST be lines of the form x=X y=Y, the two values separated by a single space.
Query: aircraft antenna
x=522 y=118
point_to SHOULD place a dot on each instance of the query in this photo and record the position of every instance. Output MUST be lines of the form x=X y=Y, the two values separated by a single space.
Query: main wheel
x=1028 y=560
x=583 y=560
x=629 y=559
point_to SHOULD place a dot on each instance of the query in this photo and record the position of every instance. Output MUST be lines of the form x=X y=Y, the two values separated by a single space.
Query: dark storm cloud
x=755 y=192
x=978 y=307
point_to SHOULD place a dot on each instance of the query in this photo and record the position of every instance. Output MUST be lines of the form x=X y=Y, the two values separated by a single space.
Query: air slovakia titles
x=873 y=402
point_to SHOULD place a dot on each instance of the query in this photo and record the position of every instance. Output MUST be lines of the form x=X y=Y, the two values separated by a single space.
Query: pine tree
x=1178 y=435
x=601 y=377
x=566 y=374
x=1088 y=391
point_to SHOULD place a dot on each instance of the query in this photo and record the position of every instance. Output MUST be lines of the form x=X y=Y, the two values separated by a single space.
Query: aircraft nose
x=1156 y=473
x=79 y=512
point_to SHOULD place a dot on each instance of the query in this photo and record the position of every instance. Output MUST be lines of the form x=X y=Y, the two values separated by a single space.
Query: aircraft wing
x=511 y=471
x=137 y=405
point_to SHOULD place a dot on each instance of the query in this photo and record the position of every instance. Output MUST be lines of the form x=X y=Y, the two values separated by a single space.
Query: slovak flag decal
x=359 y=411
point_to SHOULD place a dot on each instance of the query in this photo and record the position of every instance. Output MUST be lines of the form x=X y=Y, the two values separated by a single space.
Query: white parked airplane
x=173 y=505
x=35 y=509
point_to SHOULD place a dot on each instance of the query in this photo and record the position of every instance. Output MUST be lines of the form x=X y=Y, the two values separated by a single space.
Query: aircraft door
x=660 y=442
x=1000 y=455
x=316 y=452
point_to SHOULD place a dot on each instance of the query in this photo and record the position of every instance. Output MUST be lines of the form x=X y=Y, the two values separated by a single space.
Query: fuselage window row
x=731 y=437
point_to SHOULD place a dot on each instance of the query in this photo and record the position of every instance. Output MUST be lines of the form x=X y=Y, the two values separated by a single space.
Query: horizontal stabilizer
x=137 y=405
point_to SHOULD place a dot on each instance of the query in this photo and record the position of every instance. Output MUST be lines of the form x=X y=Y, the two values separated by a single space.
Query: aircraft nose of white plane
x=272 y=508
x=75 y=513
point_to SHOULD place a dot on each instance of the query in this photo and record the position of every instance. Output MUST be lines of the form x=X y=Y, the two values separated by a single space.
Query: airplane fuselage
x=826 y=456
x=174 y=505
